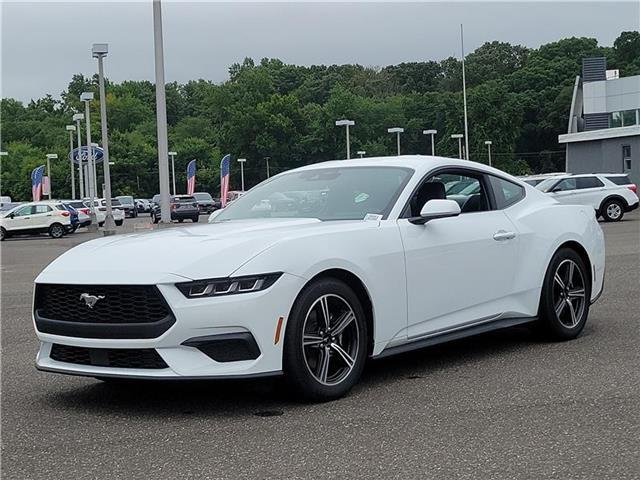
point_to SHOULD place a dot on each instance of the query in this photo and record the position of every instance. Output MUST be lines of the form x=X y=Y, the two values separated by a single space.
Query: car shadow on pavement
x=270 y=396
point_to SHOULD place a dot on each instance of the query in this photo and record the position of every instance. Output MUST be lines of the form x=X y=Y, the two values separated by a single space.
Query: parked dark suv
x=182 y=207
x=206 y=203
x=128 y=205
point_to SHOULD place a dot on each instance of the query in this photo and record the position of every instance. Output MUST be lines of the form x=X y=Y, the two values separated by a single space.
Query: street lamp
x=173 y=170
x=2 y=154
x=433 y=145
x=267 y=159
x=71 y=129
x=94 y=147
x=78 y=117
x=50 y=156
x=397 y=131
x=87 y=97
x=459 y=137
x=488 y=144
x=99 y=51
x=361 y=153
x=347 y=124
x=242 y=160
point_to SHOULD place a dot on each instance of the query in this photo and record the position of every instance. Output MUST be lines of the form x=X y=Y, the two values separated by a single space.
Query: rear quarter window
x=506 y=193
x=620 y=180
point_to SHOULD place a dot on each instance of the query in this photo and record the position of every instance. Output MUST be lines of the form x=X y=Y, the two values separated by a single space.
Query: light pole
x=433 y=144
x=161 y=114
x=78 y=117
x=2 y=154
x=86 y=97
x=50 y=156
x=347 y=124
x=71 y=129
x=99 y=194
x=242 y=160
x=267 y=159
x=488 y=144
x=173 y=170
x=459 y=137
x=99 y=51
x=361 y=153
x=397 y=131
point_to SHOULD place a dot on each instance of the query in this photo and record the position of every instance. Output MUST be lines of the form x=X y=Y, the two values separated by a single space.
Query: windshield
x=203 y=197
x=126 y=200
x=342 y=193
x=546 y=184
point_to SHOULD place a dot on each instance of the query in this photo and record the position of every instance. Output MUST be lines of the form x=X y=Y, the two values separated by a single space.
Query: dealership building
x=604 y=122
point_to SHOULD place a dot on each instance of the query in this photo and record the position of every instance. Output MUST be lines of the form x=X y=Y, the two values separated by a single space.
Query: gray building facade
x=604 y=122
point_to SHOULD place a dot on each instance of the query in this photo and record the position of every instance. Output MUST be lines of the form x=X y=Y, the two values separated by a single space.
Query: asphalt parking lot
x=502 y=405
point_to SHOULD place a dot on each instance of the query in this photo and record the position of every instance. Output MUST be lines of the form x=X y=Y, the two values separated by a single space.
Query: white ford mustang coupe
x=319 y=268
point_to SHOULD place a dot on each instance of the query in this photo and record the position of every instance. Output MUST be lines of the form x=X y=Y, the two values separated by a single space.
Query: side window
x=463 y=187
x=505 y=192
x=24 y=211
x=41 y=209
x=566 y=184
x=588 y=182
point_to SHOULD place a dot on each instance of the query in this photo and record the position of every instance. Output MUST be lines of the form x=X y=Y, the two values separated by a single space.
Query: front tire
x=195 y=219
x=119 y=223
x=56 y=231
x=613 y=210
x=565 y=298
x=325 y=345
x=3 y=234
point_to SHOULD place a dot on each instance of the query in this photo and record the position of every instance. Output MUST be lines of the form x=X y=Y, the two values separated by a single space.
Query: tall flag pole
x=464 y=96
x=224 y=179
x=36 y=182
x=191 y=177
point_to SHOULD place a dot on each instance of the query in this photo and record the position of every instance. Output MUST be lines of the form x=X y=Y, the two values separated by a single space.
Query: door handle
x=502 y=235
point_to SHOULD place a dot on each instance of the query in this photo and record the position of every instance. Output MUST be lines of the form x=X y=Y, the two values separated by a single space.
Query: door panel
x=459 y=270
x=21 y=219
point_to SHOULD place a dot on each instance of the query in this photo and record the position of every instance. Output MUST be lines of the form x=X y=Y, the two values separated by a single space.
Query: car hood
x=173 y=254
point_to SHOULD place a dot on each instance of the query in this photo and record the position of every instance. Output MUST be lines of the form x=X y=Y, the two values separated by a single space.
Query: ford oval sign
x=82 y=154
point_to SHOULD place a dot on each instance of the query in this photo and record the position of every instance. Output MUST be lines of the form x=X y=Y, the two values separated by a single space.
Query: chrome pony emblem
x=91 y=300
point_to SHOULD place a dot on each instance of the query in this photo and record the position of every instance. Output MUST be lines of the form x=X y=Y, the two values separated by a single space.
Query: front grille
x=119 y=311
x=121 y=303
x=108 y=357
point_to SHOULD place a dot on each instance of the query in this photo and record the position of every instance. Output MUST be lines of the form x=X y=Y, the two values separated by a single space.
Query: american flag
x=36 y=182
x=191 y=177
x=224 y=179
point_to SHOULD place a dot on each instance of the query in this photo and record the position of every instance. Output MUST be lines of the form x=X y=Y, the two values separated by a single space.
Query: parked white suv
x=35 y=218
x=101 y=210
x=609 y=200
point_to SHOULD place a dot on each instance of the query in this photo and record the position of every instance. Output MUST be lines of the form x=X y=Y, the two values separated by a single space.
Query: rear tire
x=195 y=219
x=612 y=210
x=180 y=220
x=330 y=360
x=565 y=297
x=119 y=223
x=56 y=230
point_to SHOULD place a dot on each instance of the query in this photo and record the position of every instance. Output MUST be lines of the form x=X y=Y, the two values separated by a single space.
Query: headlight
x=215 y=287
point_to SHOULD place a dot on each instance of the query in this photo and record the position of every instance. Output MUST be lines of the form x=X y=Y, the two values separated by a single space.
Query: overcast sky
x=44 y=44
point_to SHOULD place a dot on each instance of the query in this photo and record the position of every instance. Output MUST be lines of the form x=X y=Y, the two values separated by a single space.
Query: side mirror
x=435 y=209
x=12 y=215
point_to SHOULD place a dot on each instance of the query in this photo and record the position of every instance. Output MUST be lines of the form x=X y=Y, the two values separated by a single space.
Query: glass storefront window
x=628 y=118
x=615 y=120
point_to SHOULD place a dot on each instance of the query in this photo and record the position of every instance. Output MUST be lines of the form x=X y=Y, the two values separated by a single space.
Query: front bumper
x=251 y=315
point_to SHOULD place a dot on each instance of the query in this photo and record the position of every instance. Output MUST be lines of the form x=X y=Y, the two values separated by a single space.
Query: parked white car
x=609 y=200
x=101 y=210
x=35 y=218
x=534 y=180
x=365 y=258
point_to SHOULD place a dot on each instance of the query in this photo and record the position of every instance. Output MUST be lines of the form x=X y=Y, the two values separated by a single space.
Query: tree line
x=518 y=98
